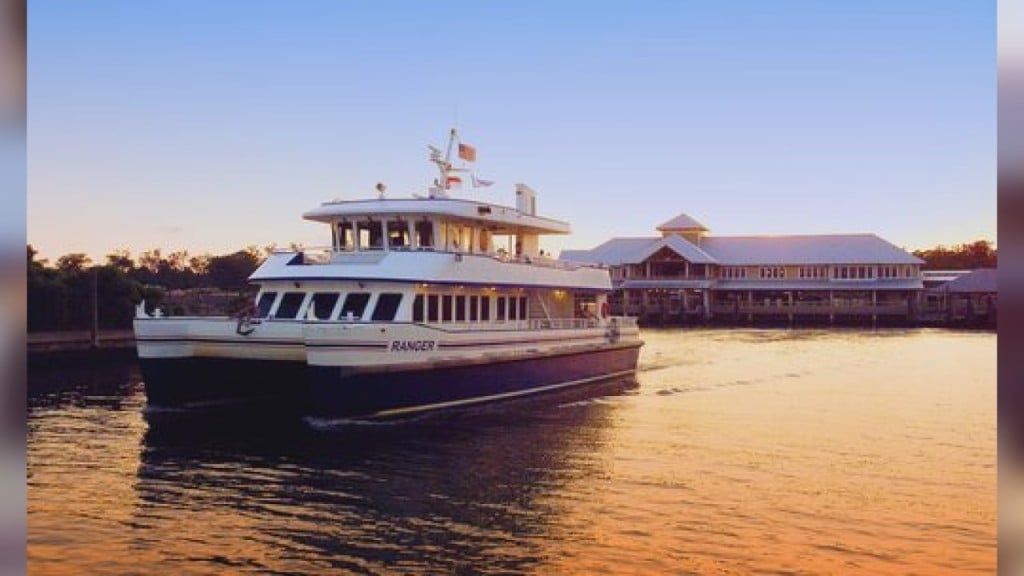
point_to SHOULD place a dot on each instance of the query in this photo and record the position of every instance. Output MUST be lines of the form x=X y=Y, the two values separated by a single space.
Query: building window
x=387 y=307
x=733 y=272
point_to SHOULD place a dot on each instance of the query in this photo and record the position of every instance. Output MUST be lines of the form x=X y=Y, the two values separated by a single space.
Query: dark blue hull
x=185 y=382
x=343 y=392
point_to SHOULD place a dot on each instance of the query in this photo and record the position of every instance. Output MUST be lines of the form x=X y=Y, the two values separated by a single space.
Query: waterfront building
x=970 y=298
x=687 y=275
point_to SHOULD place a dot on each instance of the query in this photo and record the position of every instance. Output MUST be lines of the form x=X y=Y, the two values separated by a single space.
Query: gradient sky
x=212 y=125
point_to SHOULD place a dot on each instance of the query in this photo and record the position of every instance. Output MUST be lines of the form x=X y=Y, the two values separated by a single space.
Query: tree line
x=60 y=294
x=978 y=254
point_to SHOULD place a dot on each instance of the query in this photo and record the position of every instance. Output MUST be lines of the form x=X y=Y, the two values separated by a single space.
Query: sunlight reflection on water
x=738 y=451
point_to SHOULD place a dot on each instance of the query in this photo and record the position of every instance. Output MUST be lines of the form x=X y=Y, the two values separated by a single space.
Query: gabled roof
x=805 y=249
x=980 y=280
x=679 y=245
x=618 y=251
x=681 y=222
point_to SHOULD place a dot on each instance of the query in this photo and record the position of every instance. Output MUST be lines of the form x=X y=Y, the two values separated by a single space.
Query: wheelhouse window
x=346 y=238
x=290 y=304
x=265 y=302
x=371 y=235
x=398 y=235
x=425 y=234
x=355 y=305
x=323 y=304
x=387 y=307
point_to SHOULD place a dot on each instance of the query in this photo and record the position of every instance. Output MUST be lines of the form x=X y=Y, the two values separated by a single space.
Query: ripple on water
x=733 y=451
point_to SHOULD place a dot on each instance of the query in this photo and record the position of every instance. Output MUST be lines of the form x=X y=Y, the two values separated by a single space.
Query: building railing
x=812 y=308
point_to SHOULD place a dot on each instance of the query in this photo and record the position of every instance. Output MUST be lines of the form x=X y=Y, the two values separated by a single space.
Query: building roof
x=977 y=281
x=677 y=244
x=618 y=251
x=681 y=222
x=611 y=253
x=751 y=250
x=805 y=249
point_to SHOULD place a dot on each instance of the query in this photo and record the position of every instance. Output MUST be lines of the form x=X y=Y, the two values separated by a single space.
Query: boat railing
x=538 y=324
x=324 y=254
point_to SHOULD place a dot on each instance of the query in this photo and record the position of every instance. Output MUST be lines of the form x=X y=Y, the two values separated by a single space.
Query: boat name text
x=412 y=345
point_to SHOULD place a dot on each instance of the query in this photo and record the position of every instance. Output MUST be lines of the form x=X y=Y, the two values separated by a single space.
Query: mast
x=444 y=165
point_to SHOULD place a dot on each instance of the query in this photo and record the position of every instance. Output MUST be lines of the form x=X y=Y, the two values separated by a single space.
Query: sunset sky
x=210 y=126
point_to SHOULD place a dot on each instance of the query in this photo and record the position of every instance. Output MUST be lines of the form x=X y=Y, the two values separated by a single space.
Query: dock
x=78 y=341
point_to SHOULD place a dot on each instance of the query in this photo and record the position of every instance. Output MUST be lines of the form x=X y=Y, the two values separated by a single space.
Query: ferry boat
x=419 y=303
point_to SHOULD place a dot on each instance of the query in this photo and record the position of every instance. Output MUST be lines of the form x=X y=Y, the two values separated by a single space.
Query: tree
x=978 y=254
x=231 y=272
x=121 y=259
x=73 y=263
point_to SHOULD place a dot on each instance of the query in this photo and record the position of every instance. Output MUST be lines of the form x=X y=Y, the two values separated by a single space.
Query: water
x=734 y=451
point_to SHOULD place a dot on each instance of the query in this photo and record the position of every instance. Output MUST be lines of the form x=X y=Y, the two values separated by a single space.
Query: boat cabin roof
x=498 y=219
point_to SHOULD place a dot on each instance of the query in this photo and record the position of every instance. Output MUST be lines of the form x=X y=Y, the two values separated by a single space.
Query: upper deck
x=497 y=219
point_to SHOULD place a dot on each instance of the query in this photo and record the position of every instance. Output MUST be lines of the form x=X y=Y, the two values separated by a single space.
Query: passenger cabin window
x=417 y=308
x=371 y=235
x=323 y=304
x=425 y=234
x=289 y=306
x=474 y=308
x=398 y=235
x=432 y=308
x=265 y=302
x=387 y=307
x=485 y=308
x=446 y=308
x=355 y=304
x=460 y=308
x=522 y=307
x=500 y=316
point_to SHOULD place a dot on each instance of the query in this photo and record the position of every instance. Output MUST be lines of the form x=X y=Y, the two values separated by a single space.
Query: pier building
x=686 y=275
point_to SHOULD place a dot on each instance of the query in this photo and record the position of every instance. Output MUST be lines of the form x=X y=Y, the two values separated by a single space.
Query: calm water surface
x=734 y=451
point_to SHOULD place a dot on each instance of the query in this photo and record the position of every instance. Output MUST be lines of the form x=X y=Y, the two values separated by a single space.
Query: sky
x=209 y=126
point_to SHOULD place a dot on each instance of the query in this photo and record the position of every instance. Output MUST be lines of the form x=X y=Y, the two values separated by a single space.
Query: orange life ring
x=605 y=309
